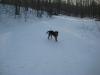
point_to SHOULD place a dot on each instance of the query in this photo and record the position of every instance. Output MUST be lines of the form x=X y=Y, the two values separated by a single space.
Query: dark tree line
x=81 y=8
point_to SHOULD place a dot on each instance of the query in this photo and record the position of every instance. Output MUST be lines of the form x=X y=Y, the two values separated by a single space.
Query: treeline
x=81 y=8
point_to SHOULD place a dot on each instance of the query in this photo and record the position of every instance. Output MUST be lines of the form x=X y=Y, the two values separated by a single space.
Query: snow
x=25 y=49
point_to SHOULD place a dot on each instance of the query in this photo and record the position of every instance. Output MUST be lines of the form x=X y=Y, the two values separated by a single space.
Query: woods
x=80 y=8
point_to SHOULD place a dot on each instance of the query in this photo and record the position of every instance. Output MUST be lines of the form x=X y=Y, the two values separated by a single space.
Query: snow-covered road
x=25 y=49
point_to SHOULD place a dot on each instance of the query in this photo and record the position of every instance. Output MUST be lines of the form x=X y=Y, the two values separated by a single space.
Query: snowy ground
x=25 y=49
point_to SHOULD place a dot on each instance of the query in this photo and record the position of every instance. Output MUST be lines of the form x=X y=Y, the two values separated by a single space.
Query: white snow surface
x=25 y=49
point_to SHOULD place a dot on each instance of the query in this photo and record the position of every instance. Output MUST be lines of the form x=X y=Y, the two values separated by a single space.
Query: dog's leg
x=51 y=36
x=48 y=36
x=56 y=39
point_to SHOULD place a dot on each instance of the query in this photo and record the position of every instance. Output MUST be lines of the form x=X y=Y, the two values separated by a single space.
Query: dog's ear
x=56 y=31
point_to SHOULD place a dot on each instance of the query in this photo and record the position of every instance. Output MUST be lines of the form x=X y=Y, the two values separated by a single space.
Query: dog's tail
x=47 y=32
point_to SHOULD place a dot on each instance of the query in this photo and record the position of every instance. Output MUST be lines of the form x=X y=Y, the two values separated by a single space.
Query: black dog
x=52 y=33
